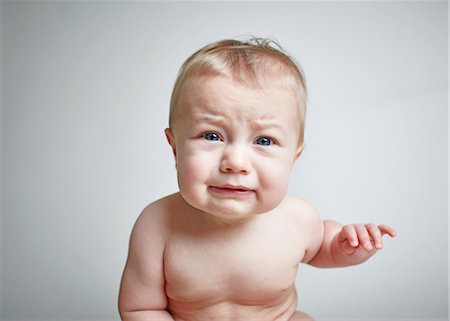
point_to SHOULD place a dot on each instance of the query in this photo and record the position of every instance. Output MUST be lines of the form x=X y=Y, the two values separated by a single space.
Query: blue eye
x=211 y=136
x=264 y=141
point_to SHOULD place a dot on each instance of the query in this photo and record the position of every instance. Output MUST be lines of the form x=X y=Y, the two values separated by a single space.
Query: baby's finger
x=364 y=237
x=375 y=234
x=348 y=234
x=387 y=230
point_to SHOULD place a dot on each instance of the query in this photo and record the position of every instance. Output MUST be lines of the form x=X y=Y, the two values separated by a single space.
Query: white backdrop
x=86 y=88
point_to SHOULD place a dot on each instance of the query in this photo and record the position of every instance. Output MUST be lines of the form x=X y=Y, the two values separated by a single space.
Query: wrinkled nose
x=235 y=159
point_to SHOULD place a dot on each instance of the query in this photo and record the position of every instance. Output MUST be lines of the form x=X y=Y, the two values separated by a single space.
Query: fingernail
x=354 y=243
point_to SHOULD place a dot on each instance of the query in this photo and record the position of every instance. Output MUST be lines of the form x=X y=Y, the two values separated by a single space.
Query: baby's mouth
x=230 y=190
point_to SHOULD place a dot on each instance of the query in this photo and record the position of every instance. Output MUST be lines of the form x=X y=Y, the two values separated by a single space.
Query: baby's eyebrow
x=209 y=118
x=257 y=124
x=265 y=123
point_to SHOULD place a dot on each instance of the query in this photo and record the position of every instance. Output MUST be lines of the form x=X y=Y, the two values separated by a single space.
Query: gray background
x=86 y=89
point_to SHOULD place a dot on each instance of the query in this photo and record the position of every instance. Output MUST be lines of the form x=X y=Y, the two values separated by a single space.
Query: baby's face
x=234 y=146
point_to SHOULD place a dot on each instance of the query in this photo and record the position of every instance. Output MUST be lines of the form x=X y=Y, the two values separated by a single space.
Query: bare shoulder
x=142 y=285
x=306 y=220
x=157 y=216
x=150 y=231
x=300 y=209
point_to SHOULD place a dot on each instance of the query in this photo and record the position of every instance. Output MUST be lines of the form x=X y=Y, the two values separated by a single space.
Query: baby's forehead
x=212 y=98
x=228 y=87
x=223 y=91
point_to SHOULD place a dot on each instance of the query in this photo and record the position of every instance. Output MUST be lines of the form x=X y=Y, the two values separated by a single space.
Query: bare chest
x=249 y=270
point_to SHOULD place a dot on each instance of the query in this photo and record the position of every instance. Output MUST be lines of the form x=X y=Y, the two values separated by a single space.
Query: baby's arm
x=142 y=295
x=350 y=244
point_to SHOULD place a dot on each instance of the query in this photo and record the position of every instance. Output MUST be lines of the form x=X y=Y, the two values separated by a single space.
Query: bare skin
x=228 y=246
x=182 y=266
x=198 y=270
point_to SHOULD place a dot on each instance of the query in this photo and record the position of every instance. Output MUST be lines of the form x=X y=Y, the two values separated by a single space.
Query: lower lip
x=229 y=191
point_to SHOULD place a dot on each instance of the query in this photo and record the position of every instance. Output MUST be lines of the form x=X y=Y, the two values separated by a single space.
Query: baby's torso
x=241 y=274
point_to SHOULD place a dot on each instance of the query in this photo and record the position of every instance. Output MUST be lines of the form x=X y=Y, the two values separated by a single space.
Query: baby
x=227 y=246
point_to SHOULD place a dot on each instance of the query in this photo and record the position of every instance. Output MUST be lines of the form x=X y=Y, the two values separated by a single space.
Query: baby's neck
x=213 y=222
x=219 y=223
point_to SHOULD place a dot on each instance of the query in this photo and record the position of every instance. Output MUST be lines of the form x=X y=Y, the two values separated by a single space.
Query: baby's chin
x=232 y=211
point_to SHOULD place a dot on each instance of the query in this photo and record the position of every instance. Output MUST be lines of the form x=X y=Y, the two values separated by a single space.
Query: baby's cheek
x=274 y=182
x=188 y=185
x=274 y=174
x=192 y=173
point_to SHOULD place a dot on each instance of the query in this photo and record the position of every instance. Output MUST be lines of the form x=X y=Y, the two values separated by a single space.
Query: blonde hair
x=256 y=62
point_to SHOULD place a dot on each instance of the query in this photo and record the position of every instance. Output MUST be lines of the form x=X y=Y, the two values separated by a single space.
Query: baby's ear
x=299 y=151
x=171 y=140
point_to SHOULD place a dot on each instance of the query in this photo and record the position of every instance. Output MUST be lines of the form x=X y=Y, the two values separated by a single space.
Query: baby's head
x=236 y=127
x=257 y=63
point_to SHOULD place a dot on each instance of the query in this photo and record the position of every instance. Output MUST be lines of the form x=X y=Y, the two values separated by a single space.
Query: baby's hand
x=363 y=240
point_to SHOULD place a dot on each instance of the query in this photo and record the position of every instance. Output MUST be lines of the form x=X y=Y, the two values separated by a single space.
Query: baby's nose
x=235 y=159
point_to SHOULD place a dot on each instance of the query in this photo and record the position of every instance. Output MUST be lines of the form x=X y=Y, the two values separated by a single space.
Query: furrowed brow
x=261 y=124
x=209 y=118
